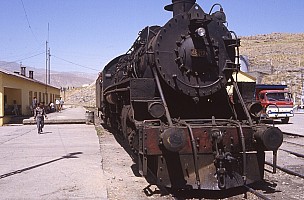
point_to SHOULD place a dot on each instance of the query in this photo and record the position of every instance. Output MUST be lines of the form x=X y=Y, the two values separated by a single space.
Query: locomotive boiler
x=167 y=96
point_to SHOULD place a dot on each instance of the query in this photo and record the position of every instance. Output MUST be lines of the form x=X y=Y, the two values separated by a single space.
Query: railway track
x=286 y=170
x=293 y=134
x=246 y=192
x=290 y=151
x=256 y=193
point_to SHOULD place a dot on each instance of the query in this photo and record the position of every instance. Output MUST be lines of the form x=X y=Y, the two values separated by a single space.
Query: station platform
x=63 y=162
x=69 y=115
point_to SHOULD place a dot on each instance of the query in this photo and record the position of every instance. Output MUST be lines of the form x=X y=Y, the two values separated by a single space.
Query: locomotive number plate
x=198 y=53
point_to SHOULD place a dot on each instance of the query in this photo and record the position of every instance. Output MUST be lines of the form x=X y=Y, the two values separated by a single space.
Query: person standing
x=39 y=114
x=61 y=102
x=52 y=107
x=15 y=108
x=34 y=102
x=57 y=105
x=34 y=105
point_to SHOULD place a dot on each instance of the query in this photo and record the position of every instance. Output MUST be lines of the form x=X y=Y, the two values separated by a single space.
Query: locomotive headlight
x=201 y=31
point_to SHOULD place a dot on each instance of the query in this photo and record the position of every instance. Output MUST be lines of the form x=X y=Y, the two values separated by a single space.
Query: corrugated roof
x=24 y=77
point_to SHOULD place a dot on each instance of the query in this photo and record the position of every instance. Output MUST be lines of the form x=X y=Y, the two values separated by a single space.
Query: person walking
x=39 y=114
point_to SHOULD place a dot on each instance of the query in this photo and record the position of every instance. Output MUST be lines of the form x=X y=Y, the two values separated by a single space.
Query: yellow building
x=240 y=77
x=243 y=77
x=17 y=90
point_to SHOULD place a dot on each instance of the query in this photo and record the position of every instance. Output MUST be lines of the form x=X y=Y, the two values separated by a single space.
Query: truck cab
x=276 y=101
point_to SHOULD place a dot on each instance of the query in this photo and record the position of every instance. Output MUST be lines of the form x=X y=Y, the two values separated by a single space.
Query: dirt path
x=123 y=180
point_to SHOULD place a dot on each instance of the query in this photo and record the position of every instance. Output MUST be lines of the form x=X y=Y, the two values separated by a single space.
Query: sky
x=84 y=35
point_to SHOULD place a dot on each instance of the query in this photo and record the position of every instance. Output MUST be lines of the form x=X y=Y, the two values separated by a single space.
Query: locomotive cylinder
x=270 y=138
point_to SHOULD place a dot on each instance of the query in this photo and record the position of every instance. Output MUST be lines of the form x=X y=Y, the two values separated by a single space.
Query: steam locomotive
x=167 y=96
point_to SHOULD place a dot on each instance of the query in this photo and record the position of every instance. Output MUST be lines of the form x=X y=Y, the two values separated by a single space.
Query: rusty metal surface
x=231 y=140
x=177 y=171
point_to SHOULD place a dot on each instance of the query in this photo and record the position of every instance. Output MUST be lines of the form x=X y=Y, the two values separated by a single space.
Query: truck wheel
x=285 y=120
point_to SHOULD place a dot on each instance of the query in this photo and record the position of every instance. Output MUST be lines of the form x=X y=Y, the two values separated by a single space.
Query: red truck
x=276 y=101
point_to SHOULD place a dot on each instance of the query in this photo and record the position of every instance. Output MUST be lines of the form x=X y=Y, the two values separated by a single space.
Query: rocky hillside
x=279 y=57
x=84 y=96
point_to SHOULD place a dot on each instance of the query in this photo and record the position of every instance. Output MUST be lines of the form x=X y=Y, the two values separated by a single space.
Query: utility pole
x=302 y=77
x=46 y=62
x=49 y=65
x=46 y=71
x=46 y=66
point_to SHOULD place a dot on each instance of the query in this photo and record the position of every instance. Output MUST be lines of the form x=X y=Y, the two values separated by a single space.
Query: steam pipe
x=162 y=97
x=242 y=103
x=194 y=155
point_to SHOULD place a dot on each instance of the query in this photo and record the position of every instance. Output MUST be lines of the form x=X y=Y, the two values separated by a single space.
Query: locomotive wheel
x=133 y=141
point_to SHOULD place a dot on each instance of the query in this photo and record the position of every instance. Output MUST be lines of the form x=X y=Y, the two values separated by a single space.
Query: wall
x=23 y=90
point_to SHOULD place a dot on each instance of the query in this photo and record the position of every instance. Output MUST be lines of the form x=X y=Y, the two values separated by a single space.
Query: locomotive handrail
x=117 y=84
x=237 y=48
x=193 y=144
x=198 y=86
x=117 y=90
x=217 y=4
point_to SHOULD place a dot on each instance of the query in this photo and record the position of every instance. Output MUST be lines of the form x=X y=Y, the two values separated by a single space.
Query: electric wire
x=22 y=59
x=74 y=63
x=28 y=22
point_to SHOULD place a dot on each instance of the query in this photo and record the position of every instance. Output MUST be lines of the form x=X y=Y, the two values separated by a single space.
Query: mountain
x=58 y=79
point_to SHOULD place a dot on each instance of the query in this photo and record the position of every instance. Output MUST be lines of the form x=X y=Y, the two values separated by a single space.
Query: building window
x=46 y=99
x=39 y=96
x=30 y=97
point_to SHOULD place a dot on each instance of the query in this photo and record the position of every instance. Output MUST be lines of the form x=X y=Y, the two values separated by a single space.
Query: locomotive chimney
x=180 y=6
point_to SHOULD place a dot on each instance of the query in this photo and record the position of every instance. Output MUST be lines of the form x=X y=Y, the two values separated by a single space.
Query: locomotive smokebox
x=180 y=6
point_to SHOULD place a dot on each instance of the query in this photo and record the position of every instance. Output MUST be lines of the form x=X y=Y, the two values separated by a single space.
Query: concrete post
x=1 y=101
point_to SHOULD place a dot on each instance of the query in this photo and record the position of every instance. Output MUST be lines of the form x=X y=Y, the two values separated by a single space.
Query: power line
x=22 y=59
x=75 y=63
x=28 y=22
